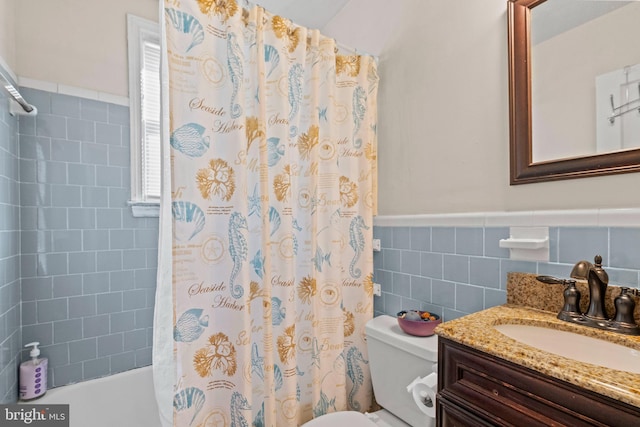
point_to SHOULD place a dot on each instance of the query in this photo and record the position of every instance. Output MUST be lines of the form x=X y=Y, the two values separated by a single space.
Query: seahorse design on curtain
x=356 y=241
x=234 y=62
x=296 y=73
x=355 y=374
x=359 y=110
x=238 y=251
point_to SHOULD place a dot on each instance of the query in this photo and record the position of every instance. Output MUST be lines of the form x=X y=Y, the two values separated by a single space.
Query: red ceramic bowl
x=419 y=328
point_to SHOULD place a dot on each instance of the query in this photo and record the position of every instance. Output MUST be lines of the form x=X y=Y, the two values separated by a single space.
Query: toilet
x=396 y=360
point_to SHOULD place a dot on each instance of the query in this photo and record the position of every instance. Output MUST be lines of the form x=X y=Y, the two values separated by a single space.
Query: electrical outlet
x=377 y=289
x=376 y=245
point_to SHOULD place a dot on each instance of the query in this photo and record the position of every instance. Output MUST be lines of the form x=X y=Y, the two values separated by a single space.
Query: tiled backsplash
x=88 y=266
x=454 y=271
x=10 y=338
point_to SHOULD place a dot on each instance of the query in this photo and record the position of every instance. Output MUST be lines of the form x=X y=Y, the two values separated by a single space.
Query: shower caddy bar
x=616 y=110
x=11 y=90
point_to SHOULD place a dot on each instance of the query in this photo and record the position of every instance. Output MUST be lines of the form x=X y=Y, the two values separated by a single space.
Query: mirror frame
x=522 y=168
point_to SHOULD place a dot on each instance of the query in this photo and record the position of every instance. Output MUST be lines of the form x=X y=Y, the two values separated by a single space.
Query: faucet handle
x=625 y=306
x=553 y=280
x=571 y=296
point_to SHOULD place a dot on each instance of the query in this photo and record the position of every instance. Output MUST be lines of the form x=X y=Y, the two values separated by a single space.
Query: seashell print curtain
x=273 y=154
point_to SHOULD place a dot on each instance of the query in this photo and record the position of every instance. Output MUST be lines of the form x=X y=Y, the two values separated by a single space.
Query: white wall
x=443 y=120
x=443 y=126
x=7 y=35
x=78 y=43
x=443 y=101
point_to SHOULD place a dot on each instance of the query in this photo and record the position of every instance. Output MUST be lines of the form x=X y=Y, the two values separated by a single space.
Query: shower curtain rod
x=349 y=49
x=353 y=50
x=11 y=90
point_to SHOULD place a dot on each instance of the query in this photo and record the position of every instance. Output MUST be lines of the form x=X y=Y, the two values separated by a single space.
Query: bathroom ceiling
x=361 y=25
x=366 y=25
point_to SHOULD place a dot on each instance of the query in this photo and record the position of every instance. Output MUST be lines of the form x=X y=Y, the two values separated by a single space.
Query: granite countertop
x=476 y=331
x=531 y=302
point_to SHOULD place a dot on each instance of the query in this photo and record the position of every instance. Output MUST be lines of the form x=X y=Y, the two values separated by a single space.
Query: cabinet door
x=506 y=394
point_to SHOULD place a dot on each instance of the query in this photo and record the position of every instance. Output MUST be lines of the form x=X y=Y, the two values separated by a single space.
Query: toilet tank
x=395 y=360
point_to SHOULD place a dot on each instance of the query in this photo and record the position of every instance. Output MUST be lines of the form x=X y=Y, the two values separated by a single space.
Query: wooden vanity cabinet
x=476 y=389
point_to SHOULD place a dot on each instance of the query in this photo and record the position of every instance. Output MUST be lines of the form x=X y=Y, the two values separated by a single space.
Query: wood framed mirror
x=523 y=168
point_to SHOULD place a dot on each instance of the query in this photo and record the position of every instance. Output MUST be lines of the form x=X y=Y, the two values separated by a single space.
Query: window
x=144 y=101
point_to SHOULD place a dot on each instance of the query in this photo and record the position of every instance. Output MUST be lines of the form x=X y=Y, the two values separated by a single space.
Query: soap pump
x=33 y=374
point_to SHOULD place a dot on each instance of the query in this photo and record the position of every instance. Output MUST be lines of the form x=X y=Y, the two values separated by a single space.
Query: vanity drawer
x=452 y=415
x=504 y=394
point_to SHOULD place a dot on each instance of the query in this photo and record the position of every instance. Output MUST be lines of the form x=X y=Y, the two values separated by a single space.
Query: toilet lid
x=343 y=418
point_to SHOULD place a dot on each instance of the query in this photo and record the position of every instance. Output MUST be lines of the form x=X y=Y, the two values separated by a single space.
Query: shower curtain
x=273 y=192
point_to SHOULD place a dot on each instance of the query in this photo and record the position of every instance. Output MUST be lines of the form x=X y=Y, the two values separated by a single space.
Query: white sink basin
x=575 y=346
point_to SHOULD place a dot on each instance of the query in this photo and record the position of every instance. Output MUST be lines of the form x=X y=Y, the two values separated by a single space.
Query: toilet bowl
x=396 y=360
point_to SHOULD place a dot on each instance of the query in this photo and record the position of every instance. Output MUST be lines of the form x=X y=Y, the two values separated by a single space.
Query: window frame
x=139 y=32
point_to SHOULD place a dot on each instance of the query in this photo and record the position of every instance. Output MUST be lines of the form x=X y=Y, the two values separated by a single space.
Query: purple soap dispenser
x=33 y=374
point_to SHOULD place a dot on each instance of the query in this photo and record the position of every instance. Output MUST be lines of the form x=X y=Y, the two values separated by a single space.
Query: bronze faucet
x=597 y=279
x=596 y=315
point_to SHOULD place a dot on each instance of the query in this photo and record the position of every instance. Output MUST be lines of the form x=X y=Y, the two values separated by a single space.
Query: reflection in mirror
x=573 y=88
x=585 y=78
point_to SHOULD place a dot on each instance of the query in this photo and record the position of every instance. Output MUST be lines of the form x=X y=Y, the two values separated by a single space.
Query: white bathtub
x=121 y=400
